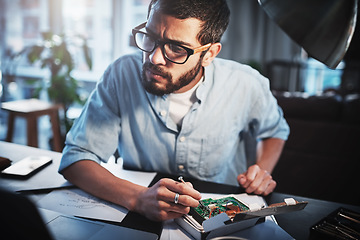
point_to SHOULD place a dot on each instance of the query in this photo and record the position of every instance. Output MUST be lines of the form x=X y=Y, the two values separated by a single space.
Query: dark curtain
x=253 y=38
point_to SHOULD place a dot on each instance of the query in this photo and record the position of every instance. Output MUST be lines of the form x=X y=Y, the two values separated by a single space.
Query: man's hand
x=158 y=201
x=256 y=180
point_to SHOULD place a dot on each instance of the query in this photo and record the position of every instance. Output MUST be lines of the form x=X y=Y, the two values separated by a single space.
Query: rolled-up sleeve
x=271 y=119
x=94 y=135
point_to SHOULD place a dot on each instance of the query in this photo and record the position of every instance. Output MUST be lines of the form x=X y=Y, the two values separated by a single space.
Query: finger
x=162 y=210
x=262 y=183
x=163 y=215
x=251 y=175
x=172 y=207
x=184 y=200
x=262 y=187
x=257 y=182
x=167 y=191
x=189 y=184
x=242 y=179
x=162 y=193
x=247 y=181
x=270 y=188
x=183 y=189
x=265 y=184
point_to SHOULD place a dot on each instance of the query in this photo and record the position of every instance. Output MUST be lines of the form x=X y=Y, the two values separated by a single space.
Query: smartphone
x=4 y=163
x=27 y=166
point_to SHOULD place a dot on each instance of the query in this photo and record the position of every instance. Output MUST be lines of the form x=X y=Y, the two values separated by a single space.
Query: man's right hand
x=158 y=202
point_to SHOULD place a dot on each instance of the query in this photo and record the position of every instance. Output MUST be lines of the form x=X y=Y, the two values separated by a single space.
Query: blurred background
x=320 y=104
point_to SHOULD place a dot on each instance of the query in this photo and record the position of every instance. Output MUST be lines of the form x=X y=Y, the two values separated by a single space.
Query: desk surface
x=297 y=224
x=47 y=178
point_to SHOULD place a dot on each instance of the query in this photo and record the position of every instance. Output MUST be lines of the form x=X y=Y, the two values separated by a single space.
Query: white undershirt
x=180 y=103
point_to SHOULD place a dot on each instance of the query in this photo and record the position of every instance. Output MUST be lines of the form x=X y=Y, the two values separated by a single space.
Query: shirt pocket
x=217 y=153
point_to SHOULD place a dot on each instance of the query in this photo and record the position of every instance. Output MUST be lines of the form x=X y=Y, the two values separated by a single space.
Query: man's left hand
x=256 y=180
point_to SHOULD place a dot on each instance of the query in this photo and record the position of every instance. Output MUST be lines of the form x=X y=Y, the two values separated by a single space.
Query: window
x=320 y=78
x=92 y=20
x=106 y=24
x=128 y=14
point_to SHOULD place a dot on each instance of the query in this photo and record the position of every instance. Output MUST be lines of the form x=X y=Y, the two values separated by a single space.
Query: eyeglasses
x=173 y=52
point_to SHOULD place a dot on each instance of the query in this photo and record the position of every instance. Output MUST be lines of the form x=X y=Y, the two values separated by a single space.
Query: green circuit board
x=211 y=207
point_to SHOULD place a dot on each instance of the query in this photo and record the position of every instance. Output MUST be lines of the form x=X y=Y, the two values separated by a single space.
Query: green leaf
x=36 y=93
x=63 y=88
x=87 y=54
x=68 y=60
x=35 y=53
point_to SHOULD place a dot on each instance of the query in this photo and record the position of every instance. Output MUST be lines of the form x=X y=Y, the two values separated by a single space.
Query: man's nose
x=157 y=56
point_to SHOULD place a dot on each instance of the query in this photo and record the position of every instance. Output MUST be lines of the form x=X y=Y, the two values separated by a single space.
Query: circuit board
x=211 y=207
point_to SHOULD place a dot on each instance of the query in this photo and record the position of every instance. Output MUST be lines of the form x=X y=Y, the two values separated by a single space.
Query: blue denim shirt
x=216 y=141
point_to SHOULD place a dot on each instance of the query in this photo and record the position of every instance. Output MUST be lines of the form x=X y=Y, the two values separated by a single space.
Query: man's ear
x=211 y=54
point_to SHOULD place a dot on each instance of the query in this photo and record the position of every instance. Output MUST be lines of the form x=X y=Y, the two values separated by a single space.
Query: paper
x=171 y=230
x=137 y=177
x=79 y=203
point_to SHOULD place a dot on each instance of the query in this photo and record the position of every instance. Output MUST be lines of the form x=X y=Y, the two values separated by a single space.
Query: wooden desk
x=297 y=224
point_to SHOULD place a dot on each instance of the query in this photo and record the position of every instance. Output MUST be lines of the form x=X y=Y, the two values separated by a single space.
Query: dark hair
x=213 y=13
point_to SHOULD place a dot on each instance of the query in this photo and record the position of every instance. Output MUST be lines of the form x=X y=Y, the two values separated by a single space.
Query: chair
x=31 y=109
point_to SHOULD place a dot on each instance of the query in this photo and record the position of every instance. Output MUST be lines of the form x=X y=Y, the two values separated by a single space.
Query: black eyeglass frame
x=161 y=43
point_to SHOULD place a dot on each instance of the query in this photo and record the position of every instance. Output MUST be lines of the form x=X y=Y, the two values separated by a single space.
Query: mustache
x=148 y=66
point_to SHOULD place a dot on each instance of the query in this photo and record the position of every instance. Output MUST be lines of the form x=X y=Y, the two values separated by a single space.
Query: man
x=176 y=110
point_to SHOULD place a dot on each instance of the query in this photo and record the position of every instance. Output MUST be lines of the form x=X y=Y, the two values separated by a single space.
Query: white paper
x=137 y=177
x=171 y=230
x=79 y=203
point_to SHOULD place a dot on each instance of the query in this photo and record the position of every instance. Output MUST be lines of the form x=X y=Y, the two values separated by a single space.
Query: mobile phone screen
x=27 y=166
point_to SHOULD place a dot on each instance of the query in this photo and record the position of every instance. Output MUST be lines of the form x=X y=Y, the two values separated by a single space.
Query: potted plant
x=53 y=53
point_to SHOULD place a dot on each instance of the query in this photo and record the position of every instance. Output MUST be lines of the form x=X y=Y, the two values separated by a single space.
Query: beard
x=171 y=85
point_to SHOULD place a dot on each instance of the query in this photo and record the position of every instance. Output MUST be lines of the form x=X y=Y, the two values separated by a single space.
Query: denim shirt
x=218 y=136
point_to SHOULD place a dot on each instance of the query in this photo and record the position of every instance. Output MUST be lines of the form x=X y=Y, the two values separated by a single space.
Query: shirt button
x=163 y=113
x=181 y=167
x=182 y=139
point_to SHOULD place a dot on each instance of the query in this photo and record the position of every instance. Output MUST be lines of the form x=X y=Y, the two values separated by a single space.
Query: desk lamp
x=323 y=28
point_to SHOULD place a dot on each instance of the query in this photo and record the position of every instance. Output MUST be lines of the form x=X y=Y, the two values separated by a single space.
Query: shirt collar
x=205 y=86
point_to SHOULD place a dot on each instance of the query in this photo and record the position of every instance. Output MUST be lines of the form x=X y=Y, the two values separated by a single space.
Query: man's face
x=161 y=76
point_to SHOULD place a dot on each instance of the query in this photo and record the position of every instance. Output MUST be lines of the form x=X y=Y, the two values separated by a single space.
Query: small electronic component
x=211 y=207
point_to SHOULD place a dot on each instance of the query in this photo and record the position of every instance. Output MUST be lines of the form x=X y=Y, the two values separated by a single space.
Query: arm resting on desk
x=156 y=202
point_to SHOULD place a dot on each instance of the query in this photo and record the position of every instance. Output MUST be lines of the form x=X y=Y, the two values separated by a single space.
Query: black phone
x=4 y=163
x=27 y=166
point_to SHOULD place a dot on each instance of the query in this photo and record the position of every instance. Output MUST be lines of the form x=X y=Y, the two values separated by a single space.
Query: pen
x=181 y=179
x=44 y=190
